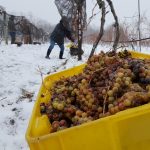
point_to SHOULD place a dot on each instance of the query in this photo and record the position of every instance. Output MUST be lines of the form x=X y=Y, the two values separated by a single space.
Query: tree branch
x=101 y=4
x=116 y=25
x=93 y=14
x=129 y=41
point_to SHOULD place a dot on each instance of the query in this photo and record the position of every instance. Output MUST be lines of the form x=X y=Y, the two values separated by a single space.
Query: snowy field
x=20 y=74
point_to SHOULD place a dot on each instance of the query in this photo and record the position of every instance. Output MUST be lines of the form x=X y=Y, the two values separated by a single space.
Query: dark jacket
x=11 y=26
x=59 y=33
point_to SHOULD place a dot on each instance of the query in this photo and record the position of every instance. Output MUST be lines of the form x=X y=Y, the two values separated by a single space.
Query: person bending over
x=58 y=35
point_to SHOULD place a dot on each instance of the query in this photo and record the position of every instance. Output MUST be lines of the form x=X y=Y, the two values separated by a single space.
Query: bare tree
x=101 y=4
x=116 y=25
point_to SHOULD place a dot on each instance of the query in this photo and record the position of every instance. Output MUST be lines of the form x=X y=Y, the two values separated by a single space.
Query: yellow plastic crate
x=126 y=130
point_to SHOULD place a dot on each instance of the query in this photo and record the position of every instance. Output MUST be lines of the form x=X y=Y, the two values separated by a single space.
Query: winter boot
x=60 y=55
x=48 y=53
x=47 y=57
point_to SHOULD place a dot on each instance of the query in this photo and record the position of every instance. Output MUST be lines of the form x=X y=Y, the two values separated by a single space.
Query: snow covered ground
x=20 y=69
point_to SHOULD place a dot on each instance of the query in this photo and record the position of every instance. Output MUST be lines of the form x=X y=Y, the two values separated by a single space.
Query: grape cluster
x=108 y=84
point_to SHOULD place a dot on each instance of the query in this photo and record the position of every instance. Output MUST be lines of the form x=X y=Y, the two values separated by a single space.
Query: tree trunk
x=80 y=31
x=101 y=4
x=116 y=25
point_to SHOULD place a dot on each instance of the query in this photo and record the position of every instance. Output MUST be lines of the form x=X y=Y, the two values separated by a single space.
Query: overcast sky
x=46 y=9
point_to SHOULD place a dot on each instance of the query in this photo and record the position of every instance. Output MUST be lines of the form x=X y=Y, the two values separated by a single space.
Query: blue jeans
x=52 y=46
x=13 y=37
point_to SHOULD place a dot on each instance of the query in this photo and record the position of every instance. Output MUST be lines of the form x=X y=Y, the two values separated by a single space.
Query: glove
x=74 y=45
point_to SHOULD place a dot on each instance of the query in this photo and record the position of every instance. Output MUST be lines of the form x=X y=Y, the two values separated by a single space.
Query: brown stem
x=104 y=103
x=130 y=41
x=99 y=70
x=39 y=70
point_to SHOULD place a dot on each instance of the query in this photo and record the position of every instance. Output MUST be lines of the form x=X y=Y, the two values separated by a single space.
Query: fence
x=37 y=34
x=124 y=41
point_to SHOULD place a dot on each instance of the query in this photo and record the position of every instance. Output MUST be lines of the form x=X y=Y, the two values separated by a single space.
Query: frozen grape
x=109 y=83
